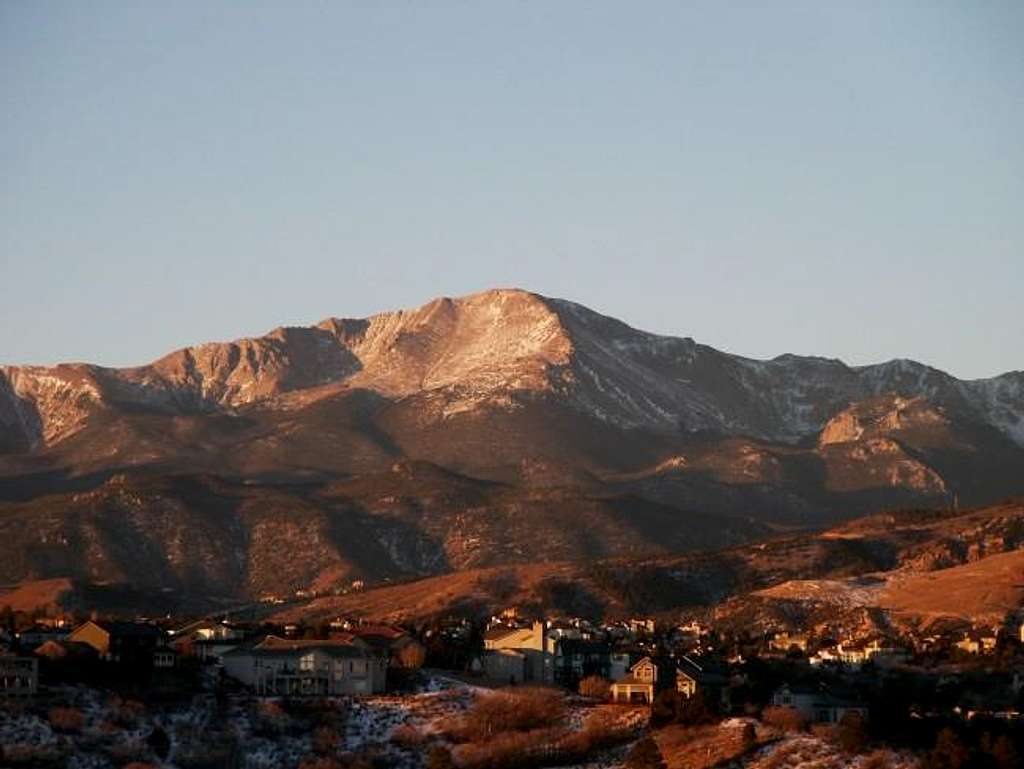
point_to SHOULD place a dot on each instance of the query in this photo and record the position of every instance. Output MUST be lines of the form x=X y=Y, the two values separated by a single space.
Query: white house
x=285 y=667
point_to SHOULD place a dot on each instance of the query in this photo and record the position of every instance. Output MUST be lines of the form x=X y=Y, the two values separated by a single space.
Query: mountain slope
x=576 y=435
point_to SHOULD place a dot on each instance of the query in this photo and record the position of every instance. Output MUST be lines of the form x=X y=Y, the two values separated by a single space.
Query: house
x=71 y=651
x=394 y=644
x=19 y=676
x=165 y=657
x=977 y=642
x=505 y=665
x=576 y=659
x=639 y=686
x=783 y=642
x=690 y=635
x=206 y=640
x=283 y=667
x=706 y=674
x=127 y=643
x=534 y=648
x=562 y=629
x=649 y=676
x=619 y=663
x=641 y=626
x=817 y=705
x=37 y=635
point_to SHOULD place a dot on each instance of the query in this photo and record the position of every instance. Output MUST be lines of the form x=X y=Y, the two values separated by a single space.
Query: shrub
x=159 y=743
x=320 y=762
x=645 y=754
x=1001 y=751
x=512 y=710
x=440 y=758
x=949 y=752
x=748 y=736
x=825 y=732
x=66 y=719
x=411 y=656
x=325 y=740
x=205 y=750
x=597 y=687
x=786 y=719
x=509 y=750
x=879 y=759
x=406 y=735
x=672 y=707
x=601 y=729
x=269 y=719
x=851 y=735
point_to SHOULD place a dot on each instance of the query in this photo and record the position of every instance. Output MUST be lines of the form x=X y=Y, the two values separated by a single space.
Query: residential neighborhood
x=659 y=676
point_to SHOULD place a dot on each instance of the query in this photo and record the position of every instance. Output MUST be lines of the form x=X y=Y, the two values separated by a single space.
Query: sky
x=842 y=179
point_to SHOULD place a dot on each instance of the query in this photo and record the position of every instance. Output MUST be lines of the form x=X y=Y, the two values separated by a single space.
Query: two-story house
x=817 y=705
x=284 y=667
x=519 y=654
x=127 y=643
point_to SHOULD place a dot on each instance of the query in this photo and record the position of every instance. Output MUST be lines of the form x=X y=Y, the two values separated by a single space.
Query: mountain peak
x=485 y=350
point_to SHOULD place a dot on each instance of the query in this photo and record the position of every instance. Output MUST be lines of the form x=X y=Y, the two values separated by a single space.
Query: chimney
x=540 y=631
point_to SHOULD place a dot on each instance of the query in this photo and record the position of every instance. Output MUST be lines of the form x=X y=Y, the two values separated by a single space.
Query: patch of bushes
x=645 y=755
x=520 y=728
x=66 y=719
x=596 y=687
x=672 y=707
x=407 y=736
x=784 y=719
x=512 y=710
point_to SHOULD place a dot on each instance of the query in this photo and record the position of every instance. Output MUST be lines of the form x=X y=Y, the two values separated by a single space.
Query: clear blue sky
x=843 y=179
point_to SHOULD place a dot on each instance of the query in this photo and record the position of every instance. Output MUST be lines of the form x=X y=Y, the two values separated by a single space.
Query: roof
x=493 y=634
x=63 y=648
x=579 y=646
x=125 y=629
x=632 y=681
x=381 y=631
x=273 y=646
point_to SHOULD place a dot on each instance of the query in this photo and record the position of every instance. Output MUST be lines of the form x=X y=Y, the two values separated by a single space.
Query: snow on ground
x=807 y=752
x=847 y=594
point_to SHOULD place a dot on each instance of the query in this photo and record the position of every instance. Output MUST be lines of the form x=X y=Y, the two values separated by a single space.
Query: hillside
x=914 y=564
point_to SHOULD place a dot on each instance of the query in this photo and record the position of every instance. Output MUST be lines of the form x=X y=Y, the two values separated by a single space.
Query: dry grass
x=39 y=594
x=700 y=747
x=512 y=710
x=988 y=587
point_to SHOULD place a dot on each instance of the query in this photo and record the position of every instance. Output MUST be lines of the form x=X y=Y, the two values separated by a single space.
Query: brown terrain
x=495 y=430
x=911 y=566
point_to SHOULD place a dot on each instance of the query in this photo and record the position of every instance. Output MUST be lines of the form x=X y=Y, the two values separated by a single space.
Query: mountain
x=502 y=427
x=486 y=350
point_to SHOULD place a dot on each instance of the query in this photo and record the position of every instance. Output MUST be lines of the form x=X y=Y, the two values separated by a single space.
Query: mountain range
x=502 y=427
